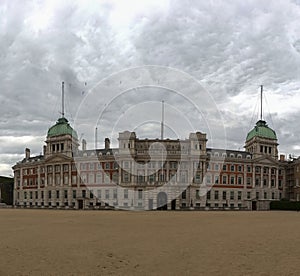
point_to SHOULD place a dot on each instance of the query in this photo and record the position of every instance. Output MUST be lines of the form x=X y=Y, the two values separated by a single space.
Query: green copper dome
x=62 y=127
x=261 y=130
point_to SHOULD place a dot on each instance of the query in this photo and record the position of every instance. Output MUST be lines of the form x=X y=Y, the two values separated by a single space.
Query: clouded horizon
x=229 y=48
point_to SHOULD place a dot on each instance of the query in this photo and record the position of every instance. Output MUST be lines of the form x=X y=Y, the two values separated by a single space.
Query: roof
x=261 y=130
x=62 y=127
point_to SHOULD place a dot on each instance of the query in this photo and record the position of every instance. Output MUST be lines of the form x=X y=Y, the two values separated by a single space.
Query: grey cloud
x=229 y=46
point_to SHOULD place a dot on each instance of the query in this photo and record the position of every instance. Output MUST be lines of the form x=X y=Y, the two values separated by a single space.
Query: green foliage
x=285 y=205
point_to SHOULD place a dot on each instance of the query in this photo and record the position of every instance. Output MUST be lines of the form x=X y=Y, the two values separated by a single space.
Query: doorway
x=254 y=207
x=150 y=204
x=162 y=201
x=173 y=204
x=80 y=204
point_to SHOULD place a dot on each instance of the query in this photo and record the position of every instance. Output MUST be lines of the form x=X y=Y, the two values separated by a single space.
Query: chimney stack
x=281 y=158
x=27 y=153
x=107 y=143
x=83 y=144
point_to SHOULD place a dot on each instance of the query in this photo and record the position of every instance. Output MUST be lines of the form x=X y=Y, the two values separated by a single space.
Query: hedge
x=285 y=205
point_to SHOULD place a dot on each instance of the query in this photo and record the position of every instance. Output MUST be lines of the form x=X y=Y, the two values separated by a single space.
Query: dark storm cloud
x=231 y=47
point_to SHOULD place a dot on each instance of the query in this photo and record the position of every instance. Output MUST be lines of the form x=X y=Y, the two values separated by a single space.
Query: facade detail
x=151 y=174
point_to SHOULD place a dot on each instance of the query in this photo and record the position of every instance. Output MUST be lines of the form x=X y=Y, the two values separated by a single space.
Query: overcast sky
x=217 y=50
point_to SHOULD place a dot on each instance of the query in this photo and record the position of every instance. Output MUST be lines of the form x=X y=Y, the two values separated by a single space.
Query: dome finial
x=261 y=99
x=63 y=99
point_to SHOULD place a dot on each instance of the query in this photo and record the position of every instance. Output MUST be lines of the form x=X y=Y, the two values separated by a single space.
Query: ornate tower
x=61 y=138
x=262 y=140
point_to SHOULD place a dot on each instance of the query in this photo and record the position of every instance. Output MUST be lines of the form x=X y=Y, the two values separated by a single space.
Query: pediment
x=58 y=158
x=265 y=160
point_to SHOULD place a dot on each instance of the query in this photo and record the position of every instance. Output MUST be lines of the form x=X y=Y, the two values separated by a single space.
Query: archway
x=162 y=201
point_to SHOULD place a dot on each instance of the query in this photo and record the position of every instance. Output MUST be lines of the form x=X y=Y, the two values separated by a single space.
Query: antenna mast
x=96 y=142
x=261 y=99
x=63 y=99
x=162 y=121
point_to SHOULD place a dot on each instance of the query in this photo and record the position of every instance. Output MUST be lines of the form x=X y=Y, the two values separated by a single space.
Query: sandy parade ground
x=54 y=242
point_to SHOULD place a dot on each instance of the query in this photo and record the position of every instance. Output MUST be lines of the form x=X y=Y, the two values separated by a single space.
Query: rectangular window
x=91 y=178
x=83 y=192
x=265 y=195
x=248 y=195
x=232 y=180
x=125 y=193
x=57 y=194
x=140 y=194
x=197 y=194
x=231 y=195
x=240 y=180
x=216 y=195
x=239 y=168
x=224 y=168
x=257 y=195
x=126 y=177
x=98 y=193
x=66 y=179
x=36 y=195
x=216 y=179
x=91 y=194
x=248 y=180
x=25 y=195
x=183 y=195
x=265 y=182
x=232 y=168
x=273 y=195
x=49 y=194
x=273 y=182
x=208 y=195
x=74 y=179
x=151 y=178
x=248 y=169
x=224 y=179
x=115 y=193
x=106 y=194
x=57 y=179
x=74 y=194
x=66 y=194
x=239 y=195
x=141 y=178
x=66 y=167
x=224 y=195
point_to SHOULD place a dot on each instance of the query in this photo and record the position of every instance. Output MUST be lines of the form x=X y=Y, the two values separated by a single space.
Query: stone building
x=151 y=174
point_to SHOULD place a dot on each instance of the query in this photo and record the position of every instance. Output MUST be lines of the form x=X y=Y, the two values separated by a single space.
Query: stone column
x=261 y=176
x=276 y=179
x=269 y=177
x=253 y=176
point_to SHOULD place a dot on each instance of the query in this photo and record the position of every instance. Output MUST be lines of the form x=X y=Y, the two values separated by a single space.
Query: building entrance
x=80 y=204
x=162 y=201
